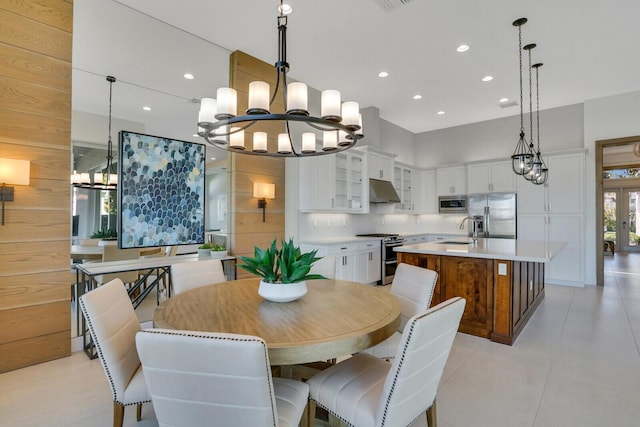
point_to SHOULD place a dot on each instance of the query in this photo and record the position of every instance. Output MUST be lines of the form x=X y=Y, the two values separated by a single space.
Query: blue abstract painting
x=160 y=191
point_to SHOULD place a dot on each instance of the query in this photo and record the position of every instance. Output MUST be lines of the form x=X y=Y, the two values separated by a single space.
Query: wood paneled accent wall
x=246 y=227
x=35 y=125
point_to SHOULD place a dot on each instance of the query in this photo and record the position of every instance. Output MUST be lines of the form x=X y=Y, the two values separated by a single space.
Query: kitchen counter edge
x=506 y=249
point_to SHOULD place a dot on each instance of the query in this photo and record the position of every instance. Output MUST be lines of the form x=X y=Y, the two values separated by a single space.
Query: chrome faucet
x=472 y=223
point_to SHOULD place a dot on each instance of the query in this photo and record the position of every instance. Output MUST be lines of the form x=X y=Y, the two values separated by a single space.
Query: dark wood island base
x=501 y=294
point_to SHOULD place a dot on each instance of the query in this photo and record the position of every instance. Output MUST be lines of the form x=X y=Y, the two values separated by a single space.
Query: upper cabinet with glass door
x=334 y=183
x=406 y=182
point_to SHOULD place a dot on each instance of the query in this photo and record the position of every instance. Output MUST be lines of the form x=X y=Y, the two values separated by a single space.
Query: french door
x=621 y=209
x=629 y=209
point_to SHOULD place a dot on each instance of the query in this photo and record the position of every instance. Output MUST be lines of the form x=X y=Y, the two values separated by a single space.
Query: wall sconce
x=14 y=172
x=263 y=191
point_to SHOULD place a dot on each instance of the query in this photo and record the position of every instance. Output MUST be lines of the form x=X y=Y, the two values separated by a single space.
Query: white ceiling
x=588 y=48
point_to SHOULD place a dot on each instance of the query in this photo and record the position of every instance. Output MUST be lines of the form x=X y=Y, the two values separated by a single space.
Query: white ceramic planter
x=279 y=292
x=218 y=254
x=204 y=253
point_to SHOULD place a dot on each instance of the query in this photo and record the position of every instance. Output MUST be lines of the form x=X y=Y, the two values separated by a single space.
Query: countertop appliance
x=389 y=256
x=494 y=214
x=452 y=204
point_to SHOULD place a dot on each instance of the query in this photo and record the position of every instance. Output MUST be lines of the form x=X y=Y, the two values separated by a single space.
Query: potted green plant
x=218 y=251
x=283 y=271
x=204 y=250
x=105 y=234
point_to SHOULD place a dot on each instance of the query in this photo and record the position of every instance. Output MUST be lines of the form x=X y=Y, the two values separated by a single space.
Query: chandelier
x=339 y=122
x=104 y=180
x=522 y=155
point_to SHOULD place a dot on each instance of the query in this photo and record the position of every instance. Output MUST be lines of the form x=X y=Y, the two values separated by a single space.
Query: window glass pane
x=622 y=173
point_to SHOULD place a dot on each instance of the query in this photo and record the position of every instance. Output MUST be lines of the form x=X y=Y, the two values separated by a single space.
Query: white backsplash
x=319 y=226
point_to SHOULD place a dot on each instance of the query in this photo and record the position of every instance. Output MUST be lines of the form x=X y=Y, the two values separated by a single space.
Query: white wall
x=397 y=140
x=90 y=128
x=615 y=116
x=560 y=129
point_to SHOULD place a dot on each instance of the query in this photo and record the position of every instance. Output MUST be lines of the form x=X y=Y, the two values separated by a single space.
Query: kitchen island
x=501 y=279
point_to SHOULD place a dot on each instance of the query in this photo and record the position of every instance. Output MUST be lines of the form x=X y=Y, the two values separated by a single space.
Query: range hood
x=382 y=192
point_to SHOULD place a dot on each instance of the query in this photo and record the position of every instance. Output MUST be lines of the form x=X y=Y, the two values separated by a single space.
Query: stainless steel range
x=389 y=256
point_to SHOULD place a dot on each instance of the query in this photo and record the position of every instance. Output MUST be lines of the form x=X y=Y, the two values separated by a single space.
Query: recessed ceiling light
x=463 y=48
x=440 y=113
x=502 y=100
x=285 y=9
x=188 y=76
x=487 y=78
x=213 y=158
x=417 y=96
x=383 y=74
x=195 y=135
x=145 y=108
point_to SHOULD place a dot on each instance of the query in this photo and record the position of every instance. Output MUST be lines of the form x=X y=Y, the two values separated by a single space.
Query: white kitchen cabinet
x=317 y=183
x=428 y=200
x=491 y=177
x=563 y=192
x=406 y=183
x=355 y=261
x=334 y=183
x=380 y=165
x=349 y=182
x=369 y=263
x=555 y=212
x=568 y=266
x=414 y=239
x=451 y=180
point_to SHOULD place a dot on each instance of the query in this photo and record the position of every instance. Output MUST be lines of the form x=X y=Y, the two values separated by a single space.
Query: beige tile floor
x=576 y=363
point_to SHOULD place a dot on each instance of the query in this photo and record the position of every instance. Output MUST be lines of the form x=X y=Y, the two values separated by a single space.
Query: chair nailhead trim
x=104 y=365
x=246 y=339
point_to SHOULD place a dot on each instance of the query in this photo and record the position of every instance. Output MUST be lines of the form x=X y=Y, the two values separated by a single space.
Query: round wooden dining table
x=335 y=317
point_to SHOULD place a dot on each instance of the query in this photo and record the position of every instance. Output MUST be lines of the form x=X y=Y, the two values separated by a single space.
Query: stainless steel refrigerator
x=497 y=211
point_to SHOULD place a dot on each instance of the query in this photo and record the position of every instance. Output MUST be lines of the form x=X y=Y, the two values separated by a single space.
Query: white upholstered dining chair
x=413 y=286
x=113 y=325
x=216 y=379
x=112 y=253
x=366 y=391
x=191 y=275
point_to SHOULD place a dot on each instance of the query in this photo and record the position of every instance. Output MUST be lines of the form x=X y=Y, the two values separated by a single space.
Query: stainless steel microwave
x=452 y=204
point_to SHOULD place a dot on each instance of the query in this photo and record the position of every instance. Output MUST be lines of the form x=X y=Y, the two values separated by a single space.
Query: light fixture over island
x=501 y=279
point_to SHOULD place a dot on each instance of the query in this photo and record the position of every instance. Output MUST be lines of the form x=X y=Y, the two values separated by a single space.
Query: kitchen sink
x=451 y=242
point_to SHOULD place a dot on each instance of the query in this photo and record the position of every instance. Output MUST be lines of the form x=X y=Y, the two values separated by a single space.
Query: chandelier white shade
x=339 y=123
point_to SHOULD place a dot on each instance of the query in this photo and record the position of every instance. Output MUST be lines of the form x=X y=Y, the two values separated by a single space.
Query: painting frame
x=161 y=191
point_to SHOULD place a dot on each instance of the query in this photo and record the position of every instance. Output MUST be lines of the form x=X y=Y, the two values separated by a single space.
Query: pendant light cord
x=530 y=103
x=537 y=108
x=106 y=176
x=520 y=57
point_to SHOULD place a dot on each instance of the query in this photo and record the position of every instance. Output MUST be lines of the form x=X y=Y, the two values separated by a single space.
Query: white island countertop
x=507 y=249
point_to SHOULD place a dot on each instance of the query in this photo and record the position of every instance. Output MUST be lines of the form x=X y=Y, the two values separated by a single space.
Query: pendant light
x=522 y=157
x=105 y=180
x=536 y=165
x=543 y=175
